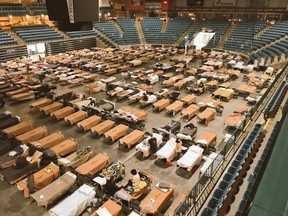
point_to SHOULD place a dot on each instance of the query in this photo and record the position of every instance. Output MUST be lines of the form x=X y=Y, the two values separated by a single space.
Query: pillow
x=86 y=189
x=196 y=149
x=202 y=141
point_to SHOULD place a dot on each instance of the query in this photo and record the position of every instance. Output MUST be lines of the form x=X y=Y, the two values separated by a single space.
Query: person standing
x=153 y=146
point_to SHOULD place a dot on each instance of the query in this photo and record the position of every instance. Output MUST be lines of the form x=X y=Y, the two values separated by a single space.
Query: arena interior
x=143 y=107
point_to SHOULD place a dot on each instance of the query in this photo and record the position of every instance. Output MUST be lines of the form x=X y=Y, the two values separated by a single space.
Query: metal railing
x=199 y=193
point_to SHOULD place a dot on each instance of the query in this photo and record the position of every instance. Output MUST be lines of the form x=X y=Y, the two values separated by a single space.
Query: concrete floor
x=12 y=201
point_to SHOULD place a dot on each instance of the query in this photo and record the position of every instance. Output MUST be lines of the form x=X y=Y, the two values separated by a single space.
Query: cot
x=63 y=148
x=144 y=146
x=76 y=117
x=167 y=151
x=6 y=145
x=206 y=168
x=23 y=96
x=137 y=96
x=18 y=91
x=223 y=94
x=191 y=158
x=88 y=123
x=242 y=109
x=101 y=128
x=39 y=180
x=110 y=207
x=18 y=129
x=175 y=107
x=206 y=116
x=190 y=111
x=156 y=201
x=14 y=174
x=206 y=139
x=124 y=94
x=151 y=99
x=62 y=113
x=234 y=121
x=181 y=83
x=188 y=132
x=132 y=138
x=53 y=191
x=115 y=91
x=77 y=158
x=51 y=108
x=161 y=104
x=5 y=115
x=33 y=135
x=189 y=99
x=49 y=141
x=8 y=158
x=9 y=122
x=74 y=204
x=40 y=103
x=94 y=165
x=116 y=132
x=140 y=115
x=134 y=192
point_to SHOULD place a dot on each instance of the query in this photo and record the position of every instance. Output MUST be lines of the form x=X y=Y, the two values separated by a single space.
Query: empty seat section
x=37 y=33
x=5 y=39
x=108 y=29
x=77 y=34
x=13 y=9
x=151 y=27
x=130 y=34
x=38 y=8
x=241 y=38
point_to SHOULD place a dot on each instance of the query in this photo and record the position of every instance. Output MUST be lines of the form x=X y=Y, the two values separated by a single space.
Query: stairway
x=223 y=39
x=164 y=25
x=186 y=33
x=117 y=26
x=258 y=34
x=19 y=40
x=269 y=44
x=106 y=38
x=140 y=32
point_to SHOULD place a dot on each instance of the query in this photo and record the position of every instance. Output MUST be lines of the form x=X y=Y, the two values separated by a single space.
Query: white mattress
x=167 y=151
x=80 y=104
x=191 y=157
x=145 y=148
x=75 y=203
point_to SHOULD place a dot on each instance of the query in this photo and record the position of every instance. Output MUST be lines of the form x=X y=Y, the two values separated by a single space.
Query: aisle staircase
x=117 y=26
x=19 y=40
x=113 y=43
x=221 y=43
x=186 y=33
x=164 y=26
x=258 y=34
x=140 y=32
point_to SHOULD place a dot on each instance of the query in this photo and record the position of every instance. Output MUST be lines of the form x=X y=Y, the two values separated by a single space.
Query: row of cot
x=51 y=171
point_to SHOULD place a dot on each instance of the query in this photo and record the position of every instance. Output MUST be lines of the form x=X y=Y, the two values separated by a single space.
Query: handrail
x=200 y=192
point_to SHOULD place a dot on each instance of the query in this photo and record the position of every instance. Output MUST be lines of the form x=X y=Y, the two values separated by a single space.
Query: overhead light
x=10 y=16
